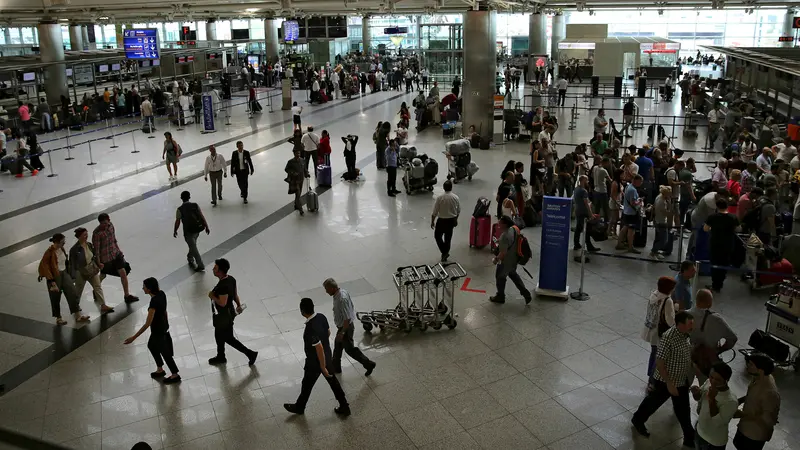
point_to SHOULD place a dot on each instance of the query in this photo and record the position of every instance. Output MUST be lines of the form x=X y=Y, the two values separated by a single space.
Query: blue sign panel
x=291 y=30
x=555 y=243
x=208 y=114
x=141 y=44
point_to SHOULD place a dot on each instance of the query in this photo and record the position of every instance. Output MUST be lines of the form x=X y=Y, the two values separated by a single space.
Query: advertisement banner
x=556 y=212
x=208 y=114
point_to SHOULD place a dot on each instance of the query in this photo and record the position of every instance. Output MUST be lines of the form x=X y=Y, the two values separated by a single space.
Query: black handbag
x=221 y=318
x=663 y=326
x=770 y=346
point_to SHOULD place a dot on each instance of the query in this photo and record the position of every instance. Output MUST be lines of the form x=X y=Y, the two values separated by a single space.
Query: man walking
x=446 y=208
x=310 y=141
x=241 y=168
x=506 y=262
x=104 y=240
x=222 y=298
x=216 y=169
x=759 y=415
x=193 y=223
x=343 y=317
x=318 y=356
x=672 y=379
x=561 y=85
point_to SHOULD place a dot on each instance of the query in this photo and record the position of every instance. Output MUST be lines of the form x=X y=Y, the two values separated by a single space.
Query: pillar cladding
x=788 y=27
x=480 y=62
x=75 y=38
x=559 y=34
x=85 y=36
x=366 y=35
x=271 y=39
x=52 y=50
x=537 y=40
x=211 y=30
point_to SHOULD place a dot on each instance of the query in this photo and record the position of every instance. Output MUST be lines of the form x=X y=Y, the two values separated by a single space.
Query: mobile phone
x=244 y=306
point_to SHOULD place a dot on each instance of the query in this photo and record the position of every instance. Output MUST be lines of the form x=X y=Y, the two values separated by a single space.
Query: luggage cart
x=690 y=122
x=447 y=276
x=784 y=326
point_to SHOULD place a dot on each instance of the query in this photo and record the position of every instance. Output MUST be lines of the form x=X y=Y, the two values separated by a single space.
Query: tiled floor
x=557 y=375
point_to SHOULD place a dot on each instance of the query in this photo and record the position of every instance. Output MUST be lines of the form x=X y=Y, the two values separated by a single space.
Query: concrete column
x=211 y=30
x=75 y=38
x=271 y=39
x=537 y=40
x=559 y=33
x=7 y=35
x=788 y=30
x=51 y=49
x=366 y=35
x=480 y=57
x=85 y=36
x=419 y=32
x=119 y=36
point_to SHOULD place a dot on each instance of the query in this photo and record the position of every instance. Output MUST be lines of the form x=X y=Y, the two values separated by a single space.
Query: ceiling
x=25 y=12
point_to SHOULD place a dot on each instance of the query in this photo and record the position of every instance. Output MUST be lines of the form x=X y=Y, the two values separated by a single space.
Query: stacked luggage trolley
x=426 y=299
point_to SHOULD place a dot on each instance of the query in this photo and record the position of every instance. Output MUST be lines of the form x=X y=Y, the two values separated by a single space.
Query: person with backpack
x=193 y=223
x=513 y=250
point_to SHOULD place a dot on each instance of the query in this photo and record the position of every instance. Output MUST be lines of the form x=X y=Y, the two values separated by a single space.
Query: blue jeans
x=500 y=275
x=651 y=364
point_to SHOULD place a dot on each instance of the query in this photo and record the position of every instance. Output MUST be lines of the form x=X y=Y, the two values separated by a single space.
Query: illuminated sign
x=786 y=39
x=796 y=22
x=395 y=30
x=140 y=44
x=660 y=47
x=576 y=45
x=291 y=30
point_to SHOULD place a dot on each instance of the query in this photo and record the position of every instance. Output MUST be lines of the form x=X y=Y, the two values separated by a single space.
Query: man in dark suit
x=316 y=343
x=241 y=168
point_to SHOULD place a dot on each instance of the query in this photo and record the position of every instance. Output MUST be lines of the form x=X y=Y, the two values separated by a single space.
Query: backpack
x=482 y=207
x=752 y=219
x=524 y=252
x=191 y=218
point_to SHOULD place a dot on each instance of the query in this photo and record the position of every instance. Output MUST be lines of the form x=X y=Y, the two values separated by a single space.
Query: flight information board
x=141 y=43
x=291 y=30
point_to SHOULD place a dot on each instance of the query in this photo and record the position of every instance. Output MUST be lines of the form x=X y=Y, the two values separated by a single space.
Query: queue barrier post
x=133 y=138
x=113 y=135
x=227 y=111
x=572 y=119
x=678 y=258
x=50 y=163
x=150 y=120
x=91 y=158
x=69 y=146
x=673 y=128
x=577 y=114
x=580 y=295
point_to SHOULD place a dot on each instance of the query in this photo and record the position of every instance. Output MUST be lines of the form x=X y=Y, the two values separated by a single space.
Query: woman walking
x=660 y=317
x=295 y=171
x=172 y=154
x=85 y=267
x=54 y=268
x=160 y=343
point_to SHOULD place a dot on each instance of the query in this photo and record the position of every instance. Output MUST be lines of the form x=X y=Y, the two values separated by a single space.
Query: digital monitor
x=103 y=68
x=145 y=63
x=240 y=34
x=115 y=67
x=291 y=30
x=156 y=62
x=29 y=76
x=252 y=61
x=141 y=43
x=69 y=72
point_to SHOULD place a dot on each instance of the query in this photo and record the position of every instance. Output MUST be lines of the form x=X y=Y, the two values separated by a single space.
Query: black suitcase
x=485 y=143
x=667 y=250
x=640 y=236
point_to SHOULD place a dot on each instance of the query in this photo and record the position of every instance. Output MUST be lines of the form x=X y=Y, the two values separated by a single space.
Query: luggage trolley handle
x=399 y=279
x=455 y=273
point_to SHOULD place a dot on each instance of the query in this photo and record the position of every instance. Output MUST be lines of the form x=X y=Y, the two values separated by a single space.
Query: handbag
x=704 y=356
x=89 y=270
x=221 y=318
x=663 y=326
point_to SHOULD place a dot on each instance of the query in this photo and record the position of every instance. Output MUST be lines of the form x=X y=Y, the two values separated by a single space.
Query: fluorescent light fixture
x=251 y=10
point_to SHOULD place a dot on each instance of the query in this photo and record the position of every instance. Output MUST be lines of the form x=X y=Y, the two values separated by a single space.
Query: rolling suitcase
x=480 y=231
x=640 y=236
x=312 y=201
x=324 y=177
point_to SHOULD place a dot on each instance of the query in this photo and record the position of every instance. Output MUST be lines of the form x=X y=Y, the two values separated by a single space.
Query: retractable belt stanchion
x=91 y=159
x=673 y=127
x=69 y=147
x=50 y=163
x=678 y=258
x=150 y=120
x=113 y=135
x=133 y=138
x=572 y=119
x=227 y=104
x=707 y=145
x=580 y=295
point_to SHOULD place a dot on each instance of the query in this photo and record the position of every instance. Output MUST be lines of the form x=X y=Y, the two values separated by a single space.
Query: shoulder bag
x=663 y=326
x=704 y=356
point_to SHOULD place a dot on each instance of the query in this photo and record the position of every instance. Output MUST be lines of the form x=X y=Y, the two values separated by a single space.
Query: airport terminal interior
x=114 y=113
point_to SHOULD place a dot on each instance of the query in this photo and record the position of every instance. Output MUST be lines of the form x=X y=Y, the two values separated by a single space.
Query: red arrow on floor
x=465 y=288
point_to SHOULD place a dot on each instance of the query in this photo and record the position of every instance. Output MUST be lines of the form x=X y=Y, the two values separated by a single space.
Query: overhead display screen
x=141 y=44
x=291 y=30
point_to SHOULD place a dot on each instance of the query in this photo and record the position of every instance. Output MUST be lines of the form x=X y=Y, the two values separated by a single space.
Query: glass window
x=257 y=29
x=110 y=33
x=224 y=30
x=201 y=31
x=65 y=36
x=2 y=36
x=15 y=38
x=27 y=35
x=172 y=31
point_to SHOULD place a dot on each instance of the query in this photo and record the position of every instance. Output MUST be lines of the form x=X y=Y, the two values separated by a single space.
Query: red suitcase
x=496 y=238
x=480 y=231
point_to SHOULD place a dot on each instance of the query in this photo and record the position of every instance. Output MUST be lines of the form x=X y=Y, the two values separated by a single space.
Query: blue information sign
x=291 y=30
x=208 y=114
x=555 y=246
x=141 y=43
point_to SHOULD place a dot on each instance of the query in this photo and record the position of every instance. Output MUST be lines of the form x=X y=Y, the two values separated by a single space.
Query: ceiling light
x=251 y=10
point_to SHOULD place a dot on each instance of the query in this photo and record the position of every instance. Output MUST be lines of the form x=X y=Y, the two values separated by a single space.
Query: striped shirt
x=675 y=350
x=343 y=308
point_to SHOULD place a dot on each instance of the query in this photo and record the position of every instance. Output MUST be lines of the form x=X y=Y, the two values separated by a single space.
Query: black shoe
x=342 y=410
x=497 y=299
x=640 y=428
x=292 y=408
x=577 y=259
x=200 y=269
x=213 y=203
x=370 y=367
x=252 y=358
x=131 y=299
x=593 y=249
x=220 y=197
x=156 y=375
x=192 y=265
x=172 y=380
x=217 y=360
x=528 y=298
x=392 y=194
x=444 y=257
x=245 y=201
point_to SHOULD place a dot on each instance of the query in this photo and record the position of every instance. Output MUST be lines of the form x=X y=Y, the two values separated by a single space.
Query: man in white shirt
x=764 y=160
x=147 y=115
x=335 y=81
x=310 y=141
x=216 y=168
x=315 y=90
x=446 y=208
x=290 y=76
x=561 y=85
x=424 y=74
x=785 y=151
x=296 y=110
x=716 y=406
x=714 y=117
